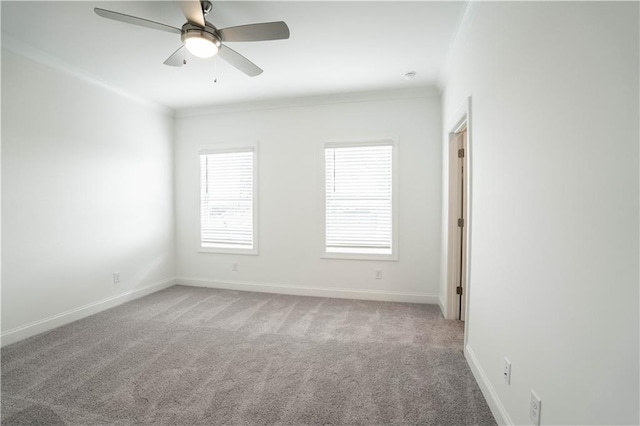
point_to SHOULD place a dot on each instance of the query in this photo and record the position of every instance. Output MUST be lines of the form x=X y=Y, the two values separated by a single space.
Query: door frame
x=462 y=122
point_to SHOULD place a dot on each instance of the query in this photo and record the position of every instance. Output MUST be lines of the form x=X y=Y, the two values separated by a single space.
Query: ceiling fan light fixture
x=201 y=44
x=202 y=39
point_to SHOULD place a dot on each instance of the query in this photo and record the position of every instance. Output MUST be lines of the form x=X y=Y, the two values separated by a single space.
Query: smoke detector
x=408 y=76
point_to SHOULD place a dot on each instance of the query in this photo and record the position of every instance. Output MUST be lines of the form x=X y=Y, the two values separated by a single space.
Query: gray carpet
x=195 y=356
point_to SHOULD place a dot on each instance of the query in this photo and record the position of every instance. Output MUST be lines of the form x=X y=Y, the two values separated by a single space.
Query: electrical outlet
x=234 y=266
x=534 y=408
x=378 y=274
x=507 y=371
x=116 y=277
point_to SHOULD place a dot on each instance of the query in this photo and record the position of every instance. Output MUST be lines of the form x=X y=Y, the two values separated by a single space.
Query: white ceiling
x=335 y=47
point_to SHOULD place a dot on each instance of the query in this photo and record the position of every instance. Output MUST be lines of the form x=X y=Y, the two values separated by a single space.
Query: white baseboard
x=489 y=393
x=441 y=304
x=46 y=324
x=339 y=293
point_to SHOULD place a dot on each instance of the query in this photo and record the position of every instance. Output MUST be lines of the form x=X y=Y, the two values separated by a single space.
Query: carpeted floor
x=195 y=356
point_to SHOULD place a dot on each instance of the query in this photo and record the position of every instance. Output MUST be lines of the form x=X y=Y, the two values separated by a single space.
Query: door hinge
x=461 y=153
x=458 y=290
x=460 y=222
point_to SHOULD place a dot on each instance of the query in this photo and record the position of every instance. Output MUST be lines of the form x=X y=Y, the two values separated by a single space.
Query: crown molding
x=294 y=102
x=25 y=50
x=462 y=32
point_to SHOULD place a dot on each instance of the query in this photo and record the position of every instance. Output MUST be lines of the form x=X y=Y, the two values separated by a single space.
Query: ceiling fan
x=201 y=39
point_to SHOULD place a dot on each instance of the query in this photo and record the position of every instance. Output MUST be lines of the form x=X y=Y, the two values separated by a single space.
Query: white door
x=461 y=204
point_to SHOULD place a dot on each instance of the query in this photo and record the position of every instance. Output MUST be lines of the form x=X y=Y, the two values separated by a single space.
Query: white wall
x=554 y=255
x=290 y=198
x=87 y=190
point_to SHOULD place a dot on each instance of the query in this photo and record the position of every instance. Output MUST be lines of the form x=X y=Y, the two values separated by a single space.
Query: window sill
x=212 y=250
x=361 y=256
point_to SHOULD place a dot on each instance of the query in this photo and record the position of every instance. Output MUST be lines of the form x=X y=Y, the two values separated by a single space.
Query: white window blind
x=226 y=194
x=358 y=205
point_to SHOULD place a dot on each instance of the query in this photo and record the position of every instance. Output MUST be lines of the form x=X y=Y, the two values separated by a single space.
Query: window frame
x=342 y=143
x=222 y=149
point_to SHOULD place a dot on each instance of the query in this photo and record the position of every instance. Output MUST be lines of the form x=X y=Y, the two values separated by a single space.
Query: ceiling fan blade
x=136 y=21
x=177 y=58
x=239 y=61
x=256 y=32
x=192 y=10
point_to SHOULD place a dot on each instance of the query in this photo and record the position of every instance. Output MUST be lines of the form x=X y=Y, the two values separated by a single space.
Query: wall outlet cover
x=535 y=407
x=506 y=374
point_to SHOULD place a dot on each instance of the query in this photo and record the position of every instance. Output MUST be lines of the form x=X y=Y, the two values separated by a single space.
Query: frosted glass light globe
x=201 y=47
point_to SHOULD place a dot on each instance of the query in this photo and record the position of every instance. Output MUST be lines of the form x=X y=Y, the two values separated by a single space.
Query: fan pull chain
x=215 y=70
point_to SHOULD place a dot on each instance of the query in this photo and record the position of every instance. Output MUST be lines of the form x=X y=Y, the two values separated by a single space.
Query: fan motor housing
x=209 y=32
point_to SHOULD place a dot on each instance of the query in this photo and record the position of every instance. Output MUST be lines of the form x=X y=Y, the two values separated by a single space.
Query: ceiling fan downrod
x=207 y=7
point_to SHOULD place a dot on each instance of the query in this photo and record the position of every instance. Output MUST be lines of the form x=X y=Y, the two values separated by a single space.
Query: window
x=228 y=201
x=359 y=200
